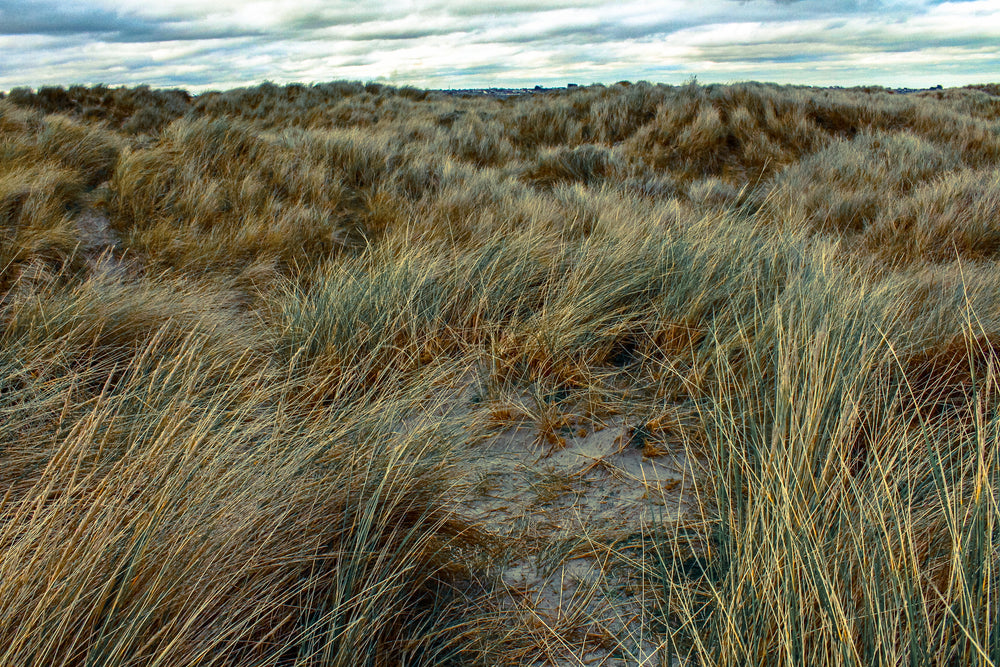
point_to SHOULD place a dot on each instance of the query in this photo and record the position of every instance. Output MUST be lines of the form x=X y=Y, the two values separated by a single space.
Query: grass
x=245 y=437
x=854 y=516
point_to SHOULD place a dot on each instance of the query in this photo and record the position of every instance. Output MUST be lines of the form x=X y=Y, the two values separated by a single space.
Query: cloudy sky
x=206 y=44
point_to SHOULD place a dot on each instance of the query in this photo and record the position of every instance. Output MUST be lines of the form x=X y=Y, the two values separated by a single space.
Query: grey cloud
x=327 y=17
x=185 y=32
x=375 y=33
x=841 y=38
x=18 y=17
x=614 y=26
x=43 y=17
x=475 y=8
x=490 y=70
x=325 y=40
x=784 y=53
x=826 y=6
x=593 y=32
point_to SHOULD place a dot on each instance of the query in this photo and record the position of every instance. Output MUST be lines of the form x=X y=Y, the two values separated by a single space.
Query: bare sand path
x=556 y=511
x=99 y=243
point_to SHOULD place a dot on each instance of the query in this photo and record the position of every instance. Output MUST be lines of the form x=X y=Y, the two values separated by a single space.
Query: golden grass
x=234 y=447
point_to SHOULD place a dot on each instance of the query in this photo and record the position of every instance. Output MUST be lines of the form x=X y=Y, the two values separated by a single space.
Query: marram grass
x=232 y=327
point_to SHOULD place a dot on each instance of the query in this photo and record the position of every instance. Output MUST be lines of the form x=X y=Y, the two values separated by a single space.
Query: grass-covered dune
x=252 y=341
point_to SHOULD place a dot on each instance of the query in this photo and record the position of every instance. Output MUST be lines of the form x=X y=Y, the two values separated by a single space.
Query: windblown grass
x=851 y=517
x=242 y=446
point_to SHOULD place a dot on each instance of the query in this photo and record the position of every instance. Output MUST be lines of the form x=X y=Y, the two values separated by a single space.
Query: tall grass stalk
x=848 y=521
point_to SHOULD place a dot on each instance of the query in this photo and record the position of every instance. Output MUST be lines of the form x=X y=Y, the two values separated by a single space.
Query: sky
x=216 y=44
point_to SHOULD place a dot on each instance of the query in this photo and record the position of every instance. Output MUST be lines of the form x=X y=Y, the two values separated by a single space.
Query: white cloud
x=455 y=43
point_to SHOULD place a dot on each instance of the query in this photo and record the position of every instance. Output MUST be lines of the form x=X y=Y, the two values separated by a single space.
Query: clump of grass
x=245 y=442
x=955 y=216
x=35 y=228
x=138 y=110
x=213 y=194
x=844 y=187
x=189 y=514
x=49 y=164
x=584 y=164
x=480 y=141
x=846 y=522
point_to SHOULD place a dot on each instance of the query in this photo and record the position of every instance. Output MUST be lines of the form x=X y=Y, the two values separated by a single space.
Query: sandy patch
x=100 y=243
x=558 y=508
